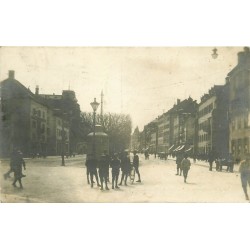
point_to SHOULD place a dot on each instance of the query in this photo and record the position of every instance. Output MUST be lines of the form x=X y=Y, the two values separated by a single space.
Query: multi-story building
x=239 y=105
x=213 y=124
x=174 y=129
x=160 y=134
x=24 y=119
x=66 y=104
x=183 y=125
x=28 y=122
x=150 y=133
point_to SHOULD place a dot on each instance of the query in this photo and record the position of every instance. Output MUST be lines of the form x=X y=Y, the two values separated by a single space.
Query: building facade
x=213 y=122
x=28 y=122
x=183 y=125
x=239 y=106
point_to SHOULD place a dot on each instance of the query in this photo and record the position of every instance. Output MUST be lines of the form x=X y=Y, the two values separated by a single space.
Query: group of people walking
x=115 y=163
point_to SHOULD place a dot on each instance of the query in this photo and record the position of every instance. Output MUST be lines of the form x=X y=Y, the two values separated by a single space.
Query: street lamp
x=156 y=135
x=94 y=106
x=63 y=139
x=185 y=117
x=214 y=55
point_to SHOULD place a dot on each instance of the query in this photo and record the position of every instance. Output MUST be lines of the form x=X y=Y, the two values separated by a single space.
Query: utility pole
x=102 y=106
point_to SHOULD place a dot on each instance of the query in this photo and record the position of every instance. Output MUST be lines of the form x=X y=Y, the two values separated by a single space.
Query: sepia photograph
x=124 y=124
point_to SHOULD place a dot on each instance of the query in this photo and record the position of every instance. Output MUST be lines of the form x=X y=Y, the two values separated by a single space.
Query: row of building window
x=239 y=123
x=204 y=137
x=206 y=110
x=239 y=80
x=34 y=125
x=39 y=113
x=60 y=132
x=205 y=126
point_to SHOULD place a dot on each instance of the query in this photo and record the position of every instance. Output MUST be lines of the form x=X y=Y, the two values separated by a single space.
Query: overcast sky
x=143 y=82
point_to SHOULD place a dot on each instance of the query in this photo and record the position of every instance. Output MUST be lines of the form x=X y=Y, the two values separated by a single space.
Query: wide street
x=48 y=181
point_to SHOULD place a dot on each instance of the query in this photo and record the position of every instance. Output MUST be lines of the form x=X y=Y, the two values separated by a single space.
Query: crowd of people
x=100 y=169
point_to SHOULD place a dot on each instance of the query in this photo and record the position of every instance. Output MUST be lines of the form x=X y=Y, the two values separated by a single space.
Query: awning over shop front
x=179 y=148
x=188 y=150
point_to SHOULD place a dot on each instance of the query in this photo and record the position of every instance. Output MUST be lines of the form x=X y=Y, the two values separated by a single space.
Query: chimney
x=243 y=56
x=37 y=90
x=11 y=74
x=178 y=101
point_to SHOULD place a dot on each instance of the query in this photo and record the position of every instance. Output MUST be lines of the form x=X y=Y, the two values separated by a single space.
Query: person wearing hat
x=91 y=164
x=125 y=167
x=13 y=163
x=136 y=166
x=244 y=170
x=104 y=170
x=185 y=165
x=179 y=159
x=18 y=162
x=115 y=164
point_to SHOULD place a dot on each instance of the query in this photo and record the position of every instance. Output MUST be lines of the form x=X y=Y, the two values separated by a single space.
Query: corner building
x=239 y=106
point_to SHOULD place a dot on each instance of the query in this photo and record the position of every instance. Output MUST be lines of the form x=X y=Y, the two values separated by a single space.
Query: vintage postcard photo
x=124 y=124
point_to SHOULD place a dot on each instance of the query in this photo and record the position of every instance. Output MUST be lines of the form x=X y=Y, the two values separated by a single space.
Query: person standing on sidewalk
x=104 y=170
x=244 y=170
x=185 y=165
x=136 y=166
x=91 y=164
x=115 y=164
x=17 y=163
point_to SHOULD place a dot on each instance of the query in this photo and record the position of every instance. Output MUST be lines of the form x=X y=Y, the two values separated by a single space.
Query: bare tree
x=117 y=126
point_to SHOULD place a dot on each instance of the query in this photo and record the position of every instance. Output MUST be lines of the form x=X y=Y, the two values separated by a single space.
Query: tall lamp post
x=94 y=106
x=63 y=139
x=155 y=123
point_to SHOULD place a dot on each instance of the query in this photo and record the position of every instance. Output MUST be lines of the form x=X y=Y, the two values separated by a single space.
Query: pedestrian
x=104 y=170
x=219 y=164
x=108 y=159
x=18 y=162
x=185 y=165
x=179 y=159
x=12 y=161
x=230 y=163
x=136 y=166
x=244 y=170
x=91 y=165
x=125 y=167
x=211 y=159
x=115 y=164
x=194 y=158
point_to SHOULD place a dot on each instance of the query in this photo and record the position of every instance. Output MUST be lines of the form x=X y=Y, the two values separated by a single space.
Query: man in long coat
x=91 y=164
x=104 y=170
